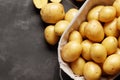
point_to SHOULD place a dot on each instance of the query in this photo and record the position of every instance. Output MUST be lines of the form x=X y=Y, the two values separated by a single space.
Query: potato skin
x=50 y=35
x=75 y=36
x=98 y=53
x=94 y=31
x=52 y=12
x=116 y=4
x=71 y=51
x=111 y=44
x=110 y=28
x=60 y=27
x=82 y=28
x=70 y=14
x=86 y=45
x=92 y=71
x=118 y=23
x=94 y=12
x=77 y=66
x=111 y=65
x=107 y=14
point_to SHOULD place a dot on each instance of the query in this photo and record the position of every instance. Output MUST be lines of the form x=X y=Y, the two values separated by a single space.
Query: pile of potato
x=93 y=50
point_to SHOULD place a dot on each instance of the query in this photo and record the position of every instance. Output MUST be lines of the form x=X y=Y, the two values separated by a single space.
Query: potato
x=118 y=23
x=40 y=3
x=118 y=51
x=92 y=71
x=50 y=35
x=75 y=36
x=116 y=4
x=94 y=12
x=107 y=14
x=119 y=41
x=57 y=1
x=111 y=65
x=110 y=28
x=70 y=14
x=86 y=45
x=52 y=12
x=71 y=51
x=82 y=28
x=60 y=27
x=111 y=44
x=77 y=66
x=98 y=52
x=94 y=31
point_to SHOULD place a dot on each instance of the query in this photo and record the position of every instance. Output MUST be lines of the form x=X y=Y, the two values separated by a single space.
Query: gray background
x=24 y=53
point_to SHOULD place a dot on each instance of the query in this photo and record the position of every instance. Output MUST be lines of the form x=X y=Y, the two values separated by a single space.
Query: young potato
x=111 y=65
x=52 y=12
x=86 y=45
x=92 y=71
x=94 y=12
x=118 y=51
x=119 y=41
x=60 y=27
x=94 y=31
x=107 y=14
x=75 y=36
x=50 y=35
x=77 y=66
x=98 y=53
x=82 y=27
x=110 y=28
x=71 y=51
x=70 y=14
x=111 y=44
x=40 y=3
x=116 y=4
x=118 y=23
x=57 y=1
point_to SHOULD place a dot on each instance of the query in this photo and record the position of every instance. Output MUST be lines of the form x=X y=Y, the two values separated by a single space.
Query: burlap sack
x=74 y=25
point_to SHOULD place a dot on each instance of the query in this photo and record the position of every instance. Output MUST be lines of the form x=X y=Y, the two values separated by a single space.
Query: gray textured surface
x=24 y=54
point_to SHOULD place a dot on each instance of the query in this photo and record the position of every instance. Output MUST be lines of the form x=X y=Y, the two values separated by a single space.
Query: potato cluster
x=93 y=50
x=58 y=25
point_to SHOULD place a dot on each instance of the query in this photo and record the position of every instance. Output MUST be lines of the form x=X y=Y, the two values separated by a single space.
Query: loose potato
x=110 y=28
x=71 y=51
x=40 y=3
x=94 y=31
x=52 y=12
x=57 y=1
x=111 y=65
x=50 y=35
x=75 y=36
x=116 y=4
x=118 y=23
x=98 y=52
x=86 y=45
x=77 y=66
x=60 y=27
x=94 y=12
x=92 y=71
x=70 y=14
x=111 y=44
x=107 y=14
x=82 y=28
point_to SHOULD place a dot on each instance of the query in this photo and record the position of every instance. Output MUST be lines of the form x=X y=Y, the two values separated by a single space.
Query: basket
x=80 y=17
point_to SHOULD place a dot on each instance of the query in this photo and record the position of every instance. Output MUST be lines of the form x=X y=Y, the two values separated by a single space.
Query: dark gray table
x=24 y=53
